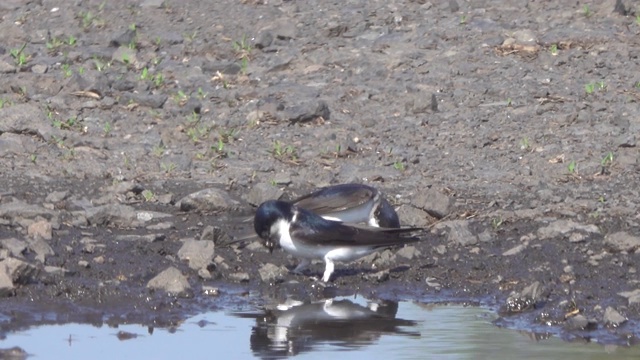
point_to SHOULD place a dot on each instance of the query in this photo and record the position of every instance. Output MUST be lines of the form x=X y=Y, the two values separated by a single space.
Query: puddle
x=347 y=327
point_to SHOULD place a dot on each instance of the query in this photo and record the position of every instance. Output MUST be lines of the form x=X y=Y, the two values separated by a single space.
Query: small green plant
x=572 y=167
x=190 y=37
x=148 y=195
x=638 y=19
x=3 y=102
x=193 y=118
x=201 y=94
x=590 y=88
x=107 y=128
x=54 y=44
x=586 y=11
x=607 y=160
x=180 y=98
x=496 y=223
x=66 y=69
x=637 y=85
x=524 y=144
x=601 y=85
x=81 y=70
x=158 y=150
x=242 y=44
x=33 y=158
x=509 y=102
x=158 y=80
x=133 y=27
x=399 y=165
x=554 y=49
x=284 y=152
x=463 y=19
x=18 y=55
x=87 y=19
x=144 y=75
x=72 y=40
x=168 y=168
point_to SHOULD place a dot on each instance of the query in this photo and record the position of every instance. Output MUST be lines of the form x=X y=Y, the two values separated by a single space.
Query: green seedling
x=586 y=11
x=590 y=88
x=601 y=85
x=181 y=98
x=158 y=80
x=509 y=102
x=572 y=167
x=524 y=144
x=18 y=55
x=496 y=223
x=463 y=19
x=168 y=168
x=638 y=19
x=242 y=44
x=33 y=158
x=71 y=40
x=66 y=68
x=554 y=49
x=399 y=165
x=607 y=160
x=193 y=118
x=201 y=94
x=3 y=102
x=54 y=43
x=87 y=19
x=107 y=128
x=158 y=150
x=148 y=195
x=144 y=75
x=280 y=151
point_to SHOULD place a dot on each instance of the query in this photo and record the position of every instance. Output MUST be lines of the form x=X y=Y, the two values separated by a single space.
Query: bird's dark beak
x=270 y=244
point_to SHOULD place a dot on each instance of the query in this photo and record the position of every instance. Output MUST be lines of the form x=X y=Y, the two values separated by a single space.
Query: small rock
x=632 y=296
x=157 y=4
x=380 y=276
x=146 y=238
x=622 y=241
x=123 y=39
x=578 y=322
x=16 y=247
x=20 y=272
x=55 y=270
x=199 y=253
x=6 y=284
x=83 y=263
x=210 y=290
x=264 y=40
x=408 y=252
x=41 y=229
x=20 y=209
x=14 y=353
x=515 y=250
x=307 y=111
x=171 y=281
x=57 y=196
x=627 y=141
x=239 y=277
x=459 y=233
x=39 y=69
x=272 y=273
x=525 y=37
x=41 y=248
x=112 y=214
x=613 y=318
x=262 y=192
x=433 y=202
x=560 y=228
x=208 y=200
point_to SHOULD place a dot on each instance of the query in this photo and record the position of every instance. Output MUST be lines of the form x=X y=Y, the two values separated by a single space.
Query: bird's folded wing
x=337 y=234
x=335 y=199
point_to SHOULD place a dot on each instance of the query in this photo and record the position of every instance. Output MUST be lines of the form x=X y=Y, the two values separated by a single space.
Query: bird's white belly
x=333 y=253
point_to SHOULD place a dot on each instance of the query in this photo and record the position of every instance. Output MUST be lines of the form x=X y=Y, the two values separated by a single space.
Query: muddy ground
x=506 y=128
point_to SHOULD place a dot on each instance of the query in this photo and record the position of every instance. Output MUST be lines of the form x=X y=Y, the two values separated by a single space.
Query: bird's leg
x=328 y=270
x=301 y=266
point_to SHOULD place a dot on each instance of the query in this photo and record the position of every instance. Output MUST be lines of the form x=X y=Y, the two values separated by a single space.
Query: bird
x=351 y=203
x=309 y=236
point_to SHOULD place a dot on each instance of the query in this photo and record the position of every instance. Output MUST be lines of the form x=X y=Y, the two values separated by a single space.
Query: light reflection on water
x=351 y=329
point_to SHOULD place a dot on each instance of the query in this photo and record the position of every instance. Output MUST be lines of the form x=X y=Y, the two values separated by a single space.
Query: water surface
x=347 y=327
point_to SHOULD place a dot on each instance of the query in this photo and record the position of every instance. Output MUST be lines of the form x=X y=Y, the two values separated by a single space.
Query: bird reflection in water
x=291 y=329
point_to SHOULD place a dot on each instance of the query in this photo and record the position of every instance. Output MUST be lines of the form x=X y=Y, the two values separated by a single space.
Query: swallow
x=351 y=203
x=309 y=236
